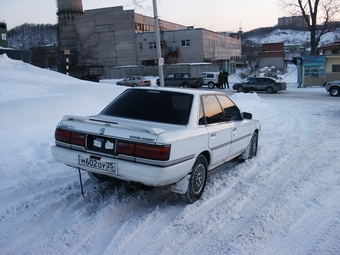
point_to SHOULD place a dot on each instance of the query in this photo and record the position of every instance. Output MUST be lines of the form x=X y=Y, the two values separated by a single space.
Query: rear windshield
x=152 y=105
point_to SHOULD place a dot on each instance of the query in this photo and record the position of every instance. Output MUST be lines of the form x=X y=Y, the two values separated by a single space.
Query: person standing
x=220 y=80
x=226 y=74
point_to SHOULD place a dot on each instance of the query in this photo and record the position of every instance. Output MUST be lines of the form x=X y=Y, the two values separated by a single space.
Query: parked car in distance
x=134 y=81
x=268 y=84
x=153 y=137
x=210 y=79
x=181 y=80
x=333 y=87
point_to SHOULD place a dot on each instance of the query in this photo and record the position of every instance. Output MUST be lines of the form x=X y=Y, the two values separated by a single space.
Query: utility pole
x=158 y=45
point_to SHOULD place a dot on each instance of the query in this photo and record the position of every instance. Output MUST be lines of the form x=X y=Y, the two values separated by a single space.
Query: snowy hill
x=289 y=36
x=283 y=201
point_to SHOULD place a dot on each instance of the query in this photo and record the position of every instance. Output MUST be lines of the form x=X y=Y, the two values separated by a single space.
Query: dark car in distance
x=268 y=84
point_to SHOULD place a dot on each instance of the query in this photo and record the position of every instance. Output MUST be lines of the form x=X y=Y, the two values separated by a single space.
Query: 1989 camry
x=157 y=137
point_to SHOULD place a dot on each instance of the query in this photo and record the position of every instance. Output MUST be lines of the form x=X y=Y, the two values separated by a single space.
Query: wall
x=272 y=54
x=121 y=72
x=205 y=46
x=107 y=36
x=332 y=60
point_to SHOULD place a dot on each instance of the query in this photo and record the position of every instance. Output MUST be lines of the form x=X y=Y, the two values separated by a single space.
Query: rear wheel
x=334 y=91
x=253 y=146
x=269 y=90
x=186 y=85
x=240 y=89
x=211 y=85
x=197 y=181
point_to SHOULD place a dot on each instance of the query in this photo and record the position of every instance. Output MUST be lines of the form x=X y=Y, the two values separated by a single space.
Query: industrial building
x=3 y=35
x=114 y=37
x=295 y=21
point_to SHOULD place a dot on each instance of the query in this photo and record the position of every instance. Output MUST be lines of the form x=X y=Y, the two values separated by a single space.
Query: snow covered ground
x=284 y=201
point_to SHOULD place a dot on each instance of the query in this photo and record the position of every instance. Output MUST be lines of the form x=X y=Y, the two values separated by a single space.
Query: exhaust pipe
x=133 y=187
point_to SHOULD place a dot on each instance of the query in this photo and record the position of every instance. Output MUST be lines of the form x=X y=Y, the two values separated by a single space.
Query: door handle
x=234 y=129
x=213 y=134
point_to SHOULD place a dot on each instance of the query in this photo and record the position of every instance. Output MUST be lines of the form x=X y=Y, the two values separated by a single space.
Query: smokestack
x=68 y=10
x=70 y=6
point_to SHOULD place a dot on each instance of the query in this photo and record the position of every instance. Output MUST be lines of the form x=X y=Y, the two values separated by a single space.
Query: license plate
x=98 y=164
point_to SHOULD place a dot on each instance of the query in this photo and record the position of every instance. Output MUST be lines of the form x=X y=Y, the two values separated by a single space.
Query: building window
x=152 y=46
x=314 y=71
x=140 y=46
x=335 y=68
x=186 y=43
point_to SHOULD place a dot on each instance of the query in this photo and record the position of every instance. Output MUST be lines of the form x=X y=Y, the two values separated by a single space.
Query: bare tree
x=320 y=16
x=86 y=47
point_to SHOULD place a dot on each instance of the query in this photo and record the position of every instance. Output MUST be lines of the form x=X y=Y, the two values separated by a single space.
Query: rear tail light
x=155 y=152
x=125 y=148
x=78 y=139
x=66 y=136
x=62 y=135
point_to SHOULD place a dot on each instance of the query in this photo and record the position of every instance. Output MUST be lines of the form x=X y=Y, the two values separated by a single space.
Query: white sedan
x=158 y=136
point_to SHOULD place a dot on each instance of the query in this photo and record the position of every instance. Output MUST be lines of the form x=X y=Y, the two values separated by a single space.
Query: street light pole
x=158 y=45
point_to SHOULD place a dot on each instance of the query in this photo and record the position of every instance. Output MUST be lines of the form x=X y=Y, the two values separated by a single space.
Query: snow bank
x=284 y=201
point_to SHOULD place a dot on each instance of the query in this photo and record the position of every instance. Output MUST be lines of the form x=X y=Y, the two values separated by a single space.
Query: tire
x=240 y=89
x=253 y=146
x=211 y=85
x=186 y=85
x=270 y=90
x=197 y=181
x=334 y=91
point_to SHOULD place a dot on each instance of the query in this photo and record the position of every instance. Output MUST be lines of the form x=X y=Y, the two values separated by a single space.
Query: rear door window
x=212 y=110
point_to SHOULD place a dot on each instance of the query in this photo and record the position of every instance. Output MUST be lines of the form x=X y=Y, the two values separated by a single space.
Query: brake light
x=78 y=139
x=125 y=148
x=156 y=152
x=62 y=135
x=70 y=137
x=153 y=152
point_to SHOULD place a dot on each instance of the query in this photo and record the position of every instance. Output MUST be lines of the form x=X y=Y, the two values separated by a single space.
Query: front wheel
x=211 y=85
x=197 y=181
x=334 y=91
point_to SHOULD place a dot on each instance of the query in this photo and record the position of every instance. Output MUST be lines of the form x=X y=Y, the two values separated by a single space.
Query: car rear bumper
x=125 y=170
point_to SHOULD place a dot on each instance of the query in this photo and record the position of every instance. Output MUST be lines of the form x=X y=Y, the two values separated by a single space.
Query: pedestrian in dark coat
x=226 y=74
x=220 y=80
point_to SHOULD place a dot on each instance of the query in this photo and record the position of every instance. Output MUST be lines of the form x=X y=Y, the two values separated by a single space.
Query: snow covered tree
x=319 y=15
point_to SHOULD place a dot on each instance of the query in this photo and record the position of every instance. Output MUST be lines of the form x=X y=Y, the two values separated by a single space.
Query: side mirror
x=247 y=115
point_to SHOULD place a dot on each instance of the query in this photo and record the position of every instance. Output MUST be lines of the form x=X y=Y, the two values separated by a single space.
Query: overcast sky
x=215 y=15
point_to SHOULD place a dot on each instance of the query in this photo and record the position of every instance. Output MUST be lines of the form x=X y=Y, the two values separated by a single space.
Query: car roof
x=194 y=92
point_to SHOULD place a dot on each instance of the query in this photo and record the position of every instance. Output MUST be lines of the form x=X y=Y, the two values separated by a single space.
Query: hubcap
x=334 y=92
x=198 y=178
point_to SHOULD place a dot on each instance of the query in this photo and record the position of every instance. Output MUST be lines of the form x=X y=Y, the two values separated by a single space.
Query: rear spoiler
x=151 y=130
